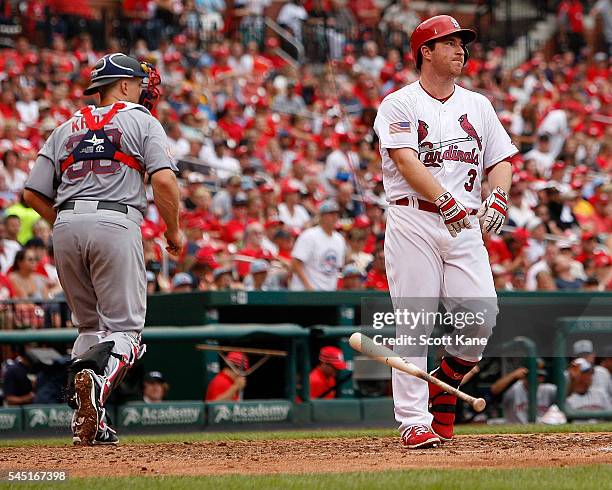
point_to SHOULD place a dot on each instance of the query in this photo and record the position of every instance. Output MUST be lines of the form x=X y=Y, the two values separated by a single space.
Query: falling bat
x=365 y=345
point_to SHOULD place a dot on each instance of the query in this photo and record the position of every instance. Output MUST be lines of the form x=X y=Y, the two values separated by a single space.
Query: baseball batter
x=437 y=141
x=88 y=182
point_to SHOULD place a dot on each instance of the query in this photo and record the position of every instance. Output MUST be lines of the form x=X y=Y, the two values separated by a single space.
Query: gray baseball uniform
x=98 y=252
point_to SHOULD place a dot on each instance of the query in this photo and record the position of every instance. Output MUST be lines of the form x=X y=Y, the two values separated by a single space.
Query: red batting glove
x=493 y=211
x=455 y=215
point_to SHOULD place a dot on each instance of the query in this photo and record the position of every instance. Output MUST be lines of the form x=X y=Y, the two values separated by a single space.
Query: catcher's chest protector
x=97 y=145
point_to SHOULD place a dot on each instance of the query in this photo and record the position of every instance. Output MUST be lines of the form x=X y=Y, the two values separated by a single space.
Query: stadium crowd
x=281 y=177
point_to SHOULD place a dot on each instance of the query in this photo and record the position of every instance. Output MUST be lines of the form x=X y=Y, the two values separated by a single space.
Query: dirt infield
x=314 y=455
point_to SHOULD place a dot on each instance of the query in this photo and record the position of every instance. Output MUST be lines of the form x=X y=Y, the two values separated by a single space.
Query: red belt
x=423 y=205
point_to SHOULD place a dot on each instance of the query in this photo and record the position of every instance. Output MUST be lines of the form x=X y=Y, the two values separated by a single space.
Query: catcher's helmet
x=435 y=28
x=111 y=67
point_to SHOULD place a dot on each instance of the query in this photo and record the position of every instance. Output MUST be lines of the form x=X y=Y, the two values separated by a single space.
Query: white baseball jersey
x=322 y=256
x=457 y=140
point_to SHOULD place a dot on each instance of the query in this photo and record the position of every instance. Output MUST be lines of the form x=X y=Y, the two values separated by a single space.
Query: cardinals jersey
x=458 y=140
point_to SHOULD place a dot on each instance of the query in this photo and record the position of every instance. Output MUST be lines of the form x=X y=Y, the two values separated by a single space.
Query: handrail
x=287 y=36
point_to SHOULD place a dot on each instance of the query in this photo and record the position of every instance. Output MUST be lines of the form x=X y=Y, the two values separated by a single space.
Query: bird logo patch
x=469 y=129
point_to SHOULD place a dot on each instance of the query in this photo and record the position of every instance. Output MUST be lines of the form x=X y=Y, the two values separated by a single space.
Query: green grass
x=315 y=433
x=528 y=478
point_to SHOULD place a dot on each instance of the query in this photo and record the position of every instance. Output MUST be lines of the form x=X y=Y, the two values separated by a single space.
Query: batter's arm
x=41 y=204
x=501 y=175
x=415 y=173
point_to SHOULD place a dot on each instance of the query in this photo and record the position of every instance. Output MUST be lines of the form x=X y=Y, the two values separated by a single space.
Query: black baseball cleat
x=88 y=415
x=106 y=437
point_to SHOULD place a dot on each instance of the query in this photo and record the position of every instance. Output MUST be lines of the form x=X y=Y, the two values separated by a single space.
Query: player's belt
x=111 y=206
x=423 y=205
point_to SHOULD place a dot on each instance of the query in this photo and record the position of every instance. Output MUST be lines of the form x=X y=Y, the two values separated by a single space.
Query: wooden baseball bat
x=365 y=345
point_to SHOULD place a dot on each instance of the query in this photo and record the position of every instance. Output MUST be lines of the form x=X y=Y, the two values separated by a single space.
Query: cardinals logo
x=422 y=131
x=469 y=129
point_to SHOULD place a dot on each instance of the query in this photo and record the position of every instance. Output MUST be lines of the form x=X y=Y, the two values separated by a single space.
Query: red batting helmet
x=435 y=28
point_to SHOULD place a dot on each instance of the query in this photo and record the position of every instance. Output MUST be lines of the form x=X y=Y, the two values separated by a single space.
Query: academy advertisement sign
x=47 y=417
x=10 y=419
x=248 y=412
x=160 y=414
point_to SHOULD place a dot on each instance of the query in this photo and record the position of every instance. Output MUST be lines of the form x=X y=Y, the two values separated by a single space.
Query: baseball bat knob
x=479 y=404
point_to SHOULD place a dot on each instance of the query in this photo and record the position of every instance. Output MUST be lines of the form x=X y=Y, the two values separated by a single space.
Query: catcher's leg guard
x=95 y=358
x=127 y=349
x=442 y=404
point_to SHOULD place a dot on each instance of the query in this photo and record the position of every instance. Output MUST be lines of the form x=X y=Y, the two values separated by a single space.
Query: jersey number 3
x=469 y=185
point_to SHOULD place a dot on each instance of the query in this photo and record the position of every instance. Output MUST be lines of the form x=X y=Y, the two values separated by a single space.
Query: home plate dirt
x=314 y=455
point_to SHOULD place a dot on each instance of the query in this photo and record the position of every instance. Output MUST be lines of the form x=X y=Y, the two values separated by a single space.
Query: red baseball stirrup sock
x=442 y=404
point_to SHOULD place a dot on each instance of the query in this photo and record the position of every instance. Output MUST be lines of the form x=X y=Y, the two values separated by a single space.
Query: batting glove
x=455 y=215
x=493 y=211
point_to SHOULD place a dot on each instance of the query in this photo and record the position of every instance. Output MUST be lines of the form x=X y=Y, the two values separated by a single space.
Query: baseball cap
x=351 y=270
x=584 y=365
x=182 y=279
x=238 y=359
x=588 y=235
x=219 y=271
x=362 y=221
x=329 y=206
x=333 y=356
x=154 y=376
x=260 y=266
x=240 y=199
x=582 y=347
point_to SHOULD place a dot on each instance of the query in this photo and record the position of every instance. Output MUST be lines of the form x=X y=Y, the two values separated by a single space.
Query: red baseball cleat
x=420 y=437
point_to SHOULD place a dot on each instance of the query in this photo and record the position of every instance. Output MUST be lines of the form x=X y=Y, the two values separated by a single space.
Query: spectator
x=603 y=9
x=229 y=384
x=223 y=278
x=582 y=394
x=565 y=279
x=27 y=216
x=356 y=255
x=10 y=244
x=352 y=278
x=14 y=177
x=152 y=286
x=290 y=211
x=536 y=244
x=319 y=253
x=220 y=160
x=602 y=374
x=27 y=282
x=371 y=62
x=289 y=101
x=539 y=275
x=154 y=387
x=377 y=278
x=570 y=17
x=541 y=155
x=514 y=389
x=556 y=126
x=400 y=17
x=18 y=389
x=323 y=377
x=222 y=202
x=291 y=16
x=182 y=283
